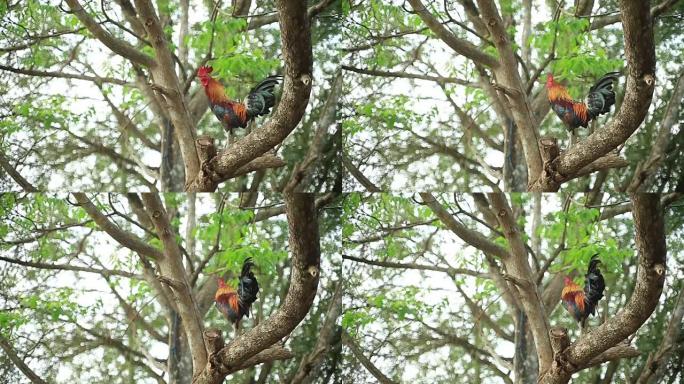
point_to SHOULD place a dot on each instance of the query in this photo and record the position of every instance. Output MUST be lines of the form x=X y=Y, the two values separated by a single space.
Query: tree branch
x=405 y=75
x=462 y=47
x=471 y=237
x=15 y=175
x=64 y=75
x=168 y=87
x=358 y=353
x=296 y=42
x=124 y=238
x=657 y=10
x=509 y=79
x=518 y=268
x=68 y=267
x=650 y=278
x=657 y=360
x=173 y=274
x=327 y=335
x=640 y=51
x=305 y=251
x=119 y=47
x=416 y=266
x=13 y=356
x=643 y=177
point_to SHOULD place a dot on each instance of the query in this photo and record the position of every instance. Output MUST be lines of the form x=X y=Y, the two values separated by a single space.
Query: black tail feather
x=594 y=285
x=601 y=95
x=261 y=98
x=248 y=288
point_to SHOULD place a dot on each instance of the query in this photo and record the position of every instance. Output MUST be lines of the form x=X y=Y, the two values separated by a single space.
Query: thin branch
x=358 y=353
x=117 y=46
x=14 y=358
x=460 y=46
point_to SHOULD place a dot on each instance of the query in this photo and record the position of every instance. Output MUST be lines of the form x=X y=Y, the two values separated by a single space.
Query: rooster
x=578 y=113
x=581 y=303
x=234 y=114
x=235 y=304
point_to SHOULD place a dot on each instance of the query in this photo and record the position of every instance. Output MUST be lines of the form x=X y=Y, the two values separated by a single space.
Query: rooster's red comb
x=204 y=71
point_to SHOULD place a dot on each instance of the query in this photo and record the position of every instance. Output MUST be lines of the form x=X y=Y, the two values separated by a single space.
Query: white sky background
x=437 y=286
x=89 y=287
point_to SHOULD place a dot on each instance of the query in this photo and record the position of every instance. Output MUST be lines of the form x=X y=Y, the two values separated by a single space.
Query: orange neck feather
x=215 y=91
x=558 y=92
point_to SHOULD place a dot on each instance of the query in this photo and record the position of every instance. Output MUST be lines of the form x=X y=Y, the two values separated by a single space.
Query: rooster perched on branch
x=235 y=304
x=578 y=113
x=582 y=303
x=234 y=114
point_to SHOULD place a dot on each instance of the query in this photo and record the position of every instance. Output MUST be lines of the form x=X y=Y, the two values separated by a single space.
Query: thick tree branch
x=168 y=87
x=357 y=174
x=514 y=90
x=651 y=248
x=640 y=51
x=471 y=237
x=305 y=250
x=518 y=268
x=15 y=175
x=296 y=42
x=173 y=274
x=357 y=351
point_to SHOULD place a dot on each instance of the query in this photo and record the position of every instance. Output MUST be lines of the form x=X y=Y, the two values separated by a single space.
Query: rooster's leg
x=573 y=137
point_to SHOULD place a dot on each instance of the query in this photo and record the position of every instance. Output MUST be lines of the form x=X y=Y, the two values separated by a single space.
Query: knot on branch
x=305 y=79
x=649 y=79
x=313 y=271
x=213 y=339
